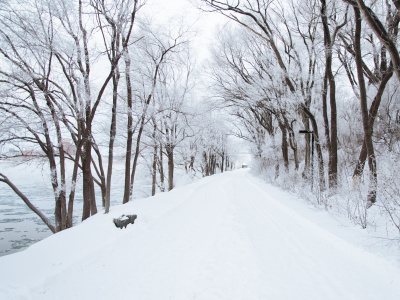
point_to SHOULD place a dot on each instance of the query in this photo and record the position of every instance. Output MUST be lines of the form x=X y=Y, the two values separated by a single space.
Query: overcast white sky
x=205 y=24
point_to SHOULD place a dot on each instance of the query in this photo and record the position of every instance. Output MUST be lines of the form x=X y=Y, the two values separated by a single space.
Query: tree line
x=85 y=81
x=330 y=68
x=101 y=74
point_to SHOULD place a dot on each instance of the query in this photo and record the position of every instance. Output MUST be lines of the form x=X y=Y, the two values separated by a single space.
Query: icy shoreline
x=19 y=226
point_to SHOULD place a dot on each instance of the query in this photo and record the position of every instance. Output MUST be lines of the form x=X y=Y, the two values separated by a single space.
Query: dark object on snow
x=123 y=220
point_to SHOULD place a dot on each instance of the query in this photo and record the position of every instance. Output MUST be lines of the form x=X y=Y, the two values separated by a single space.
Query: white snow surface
x=228 y=236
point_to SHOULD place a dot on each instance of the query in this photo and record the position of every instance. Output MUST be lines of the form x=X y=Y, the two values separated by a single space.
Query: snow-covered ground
x=228 y=236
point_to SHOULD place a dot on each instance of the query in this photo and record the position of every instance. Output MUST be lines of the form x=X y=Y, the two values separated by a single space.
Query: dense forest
x=311 y=87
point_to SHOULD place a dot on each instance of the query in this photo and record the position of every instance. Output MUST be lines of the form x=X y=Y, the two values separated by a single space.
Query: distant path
x=223 y=237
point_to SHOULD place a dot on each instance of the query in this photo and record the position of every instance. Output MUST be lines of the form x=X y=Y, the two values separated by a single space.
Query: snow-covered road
x=224 y=237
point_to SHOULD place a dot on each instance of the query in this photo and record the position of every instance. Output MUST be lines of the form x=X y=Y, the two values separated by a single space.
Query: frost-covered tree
x=157 y=51
x=47 y=53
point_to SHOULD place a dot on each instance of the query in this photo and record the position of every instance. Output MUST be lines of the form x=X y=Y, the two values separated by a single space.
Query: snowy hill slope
x=224 y=237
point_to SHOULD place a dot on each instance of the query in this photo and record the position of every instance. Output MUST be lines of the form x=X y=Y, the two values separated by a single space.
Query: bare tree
x=33 y=92
x=116 y=22
x=157 y=50
x=327 y=17
x=170 y=99
x=364 y=109
x=378 y=75
x=49 y=61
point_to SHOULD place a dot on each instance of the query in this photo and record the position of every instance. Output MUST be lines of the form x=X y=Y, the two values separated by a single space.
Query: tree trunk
x=318 y=148
x=364 y=110
x=205 y=162
x=328 y=42
x=284 y=145
x=89 y=202
x=210 y=164
x=129 y=139
x=113 y=133
x=373 y=111
x=306 y=171
x=295 y=156
x=135 y=160
x=62 y=201
x=292 y=141
x=154 y=173
x=137 y=150
x=191 y=165
x=213 y=162
x=325 y=110
x=222 y=162
x=161 y=169
x=154 y=169
x=333 y=158
x=170 y=156
x=60 y=211
x=73 y=184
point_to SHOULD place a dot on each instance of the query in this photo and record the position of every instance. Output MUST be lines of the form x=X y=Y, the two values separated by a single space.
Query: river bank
x=19 y=226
